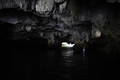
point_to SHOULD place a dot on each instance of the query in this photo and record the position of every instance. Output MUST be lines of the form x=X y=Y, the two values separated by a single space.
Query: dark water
x=32 y=62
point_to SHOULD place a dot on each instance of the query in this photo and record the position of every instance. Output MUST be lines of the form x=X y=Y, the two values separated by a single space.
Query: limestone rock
x=43 y=6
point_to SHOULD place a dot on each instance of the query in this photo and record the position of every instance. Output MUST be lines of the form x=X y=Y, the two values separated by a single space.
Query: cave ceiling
x=57 y=19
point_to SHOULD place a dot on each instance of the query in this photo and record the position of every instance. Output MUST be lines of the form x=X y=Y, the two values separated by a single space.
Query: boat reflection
x=67 y=57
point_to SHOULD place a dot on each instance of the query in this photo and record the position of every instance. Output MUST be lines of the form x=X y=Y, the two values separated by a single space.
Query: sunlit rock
x=43 y=6
x=96 y=33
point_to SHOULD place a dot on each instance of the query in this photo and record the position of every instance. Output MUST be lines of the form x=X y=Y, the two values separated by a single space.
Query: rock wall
x=66 y=22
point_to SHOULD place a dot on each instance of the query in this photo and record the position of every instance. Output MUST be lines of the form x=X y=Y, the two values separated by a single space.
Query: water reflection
x=67 y=57
x=61 y=64
x=83 y=51
x=75 y=64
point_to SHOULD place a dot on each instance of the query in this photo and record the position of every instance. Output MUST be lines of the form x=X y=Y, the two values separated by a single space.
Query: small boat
x=67 y=45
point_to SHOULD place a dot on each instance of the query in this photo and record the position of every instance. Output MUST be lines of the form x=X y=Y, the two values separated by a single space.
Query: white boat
x=67 y=45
